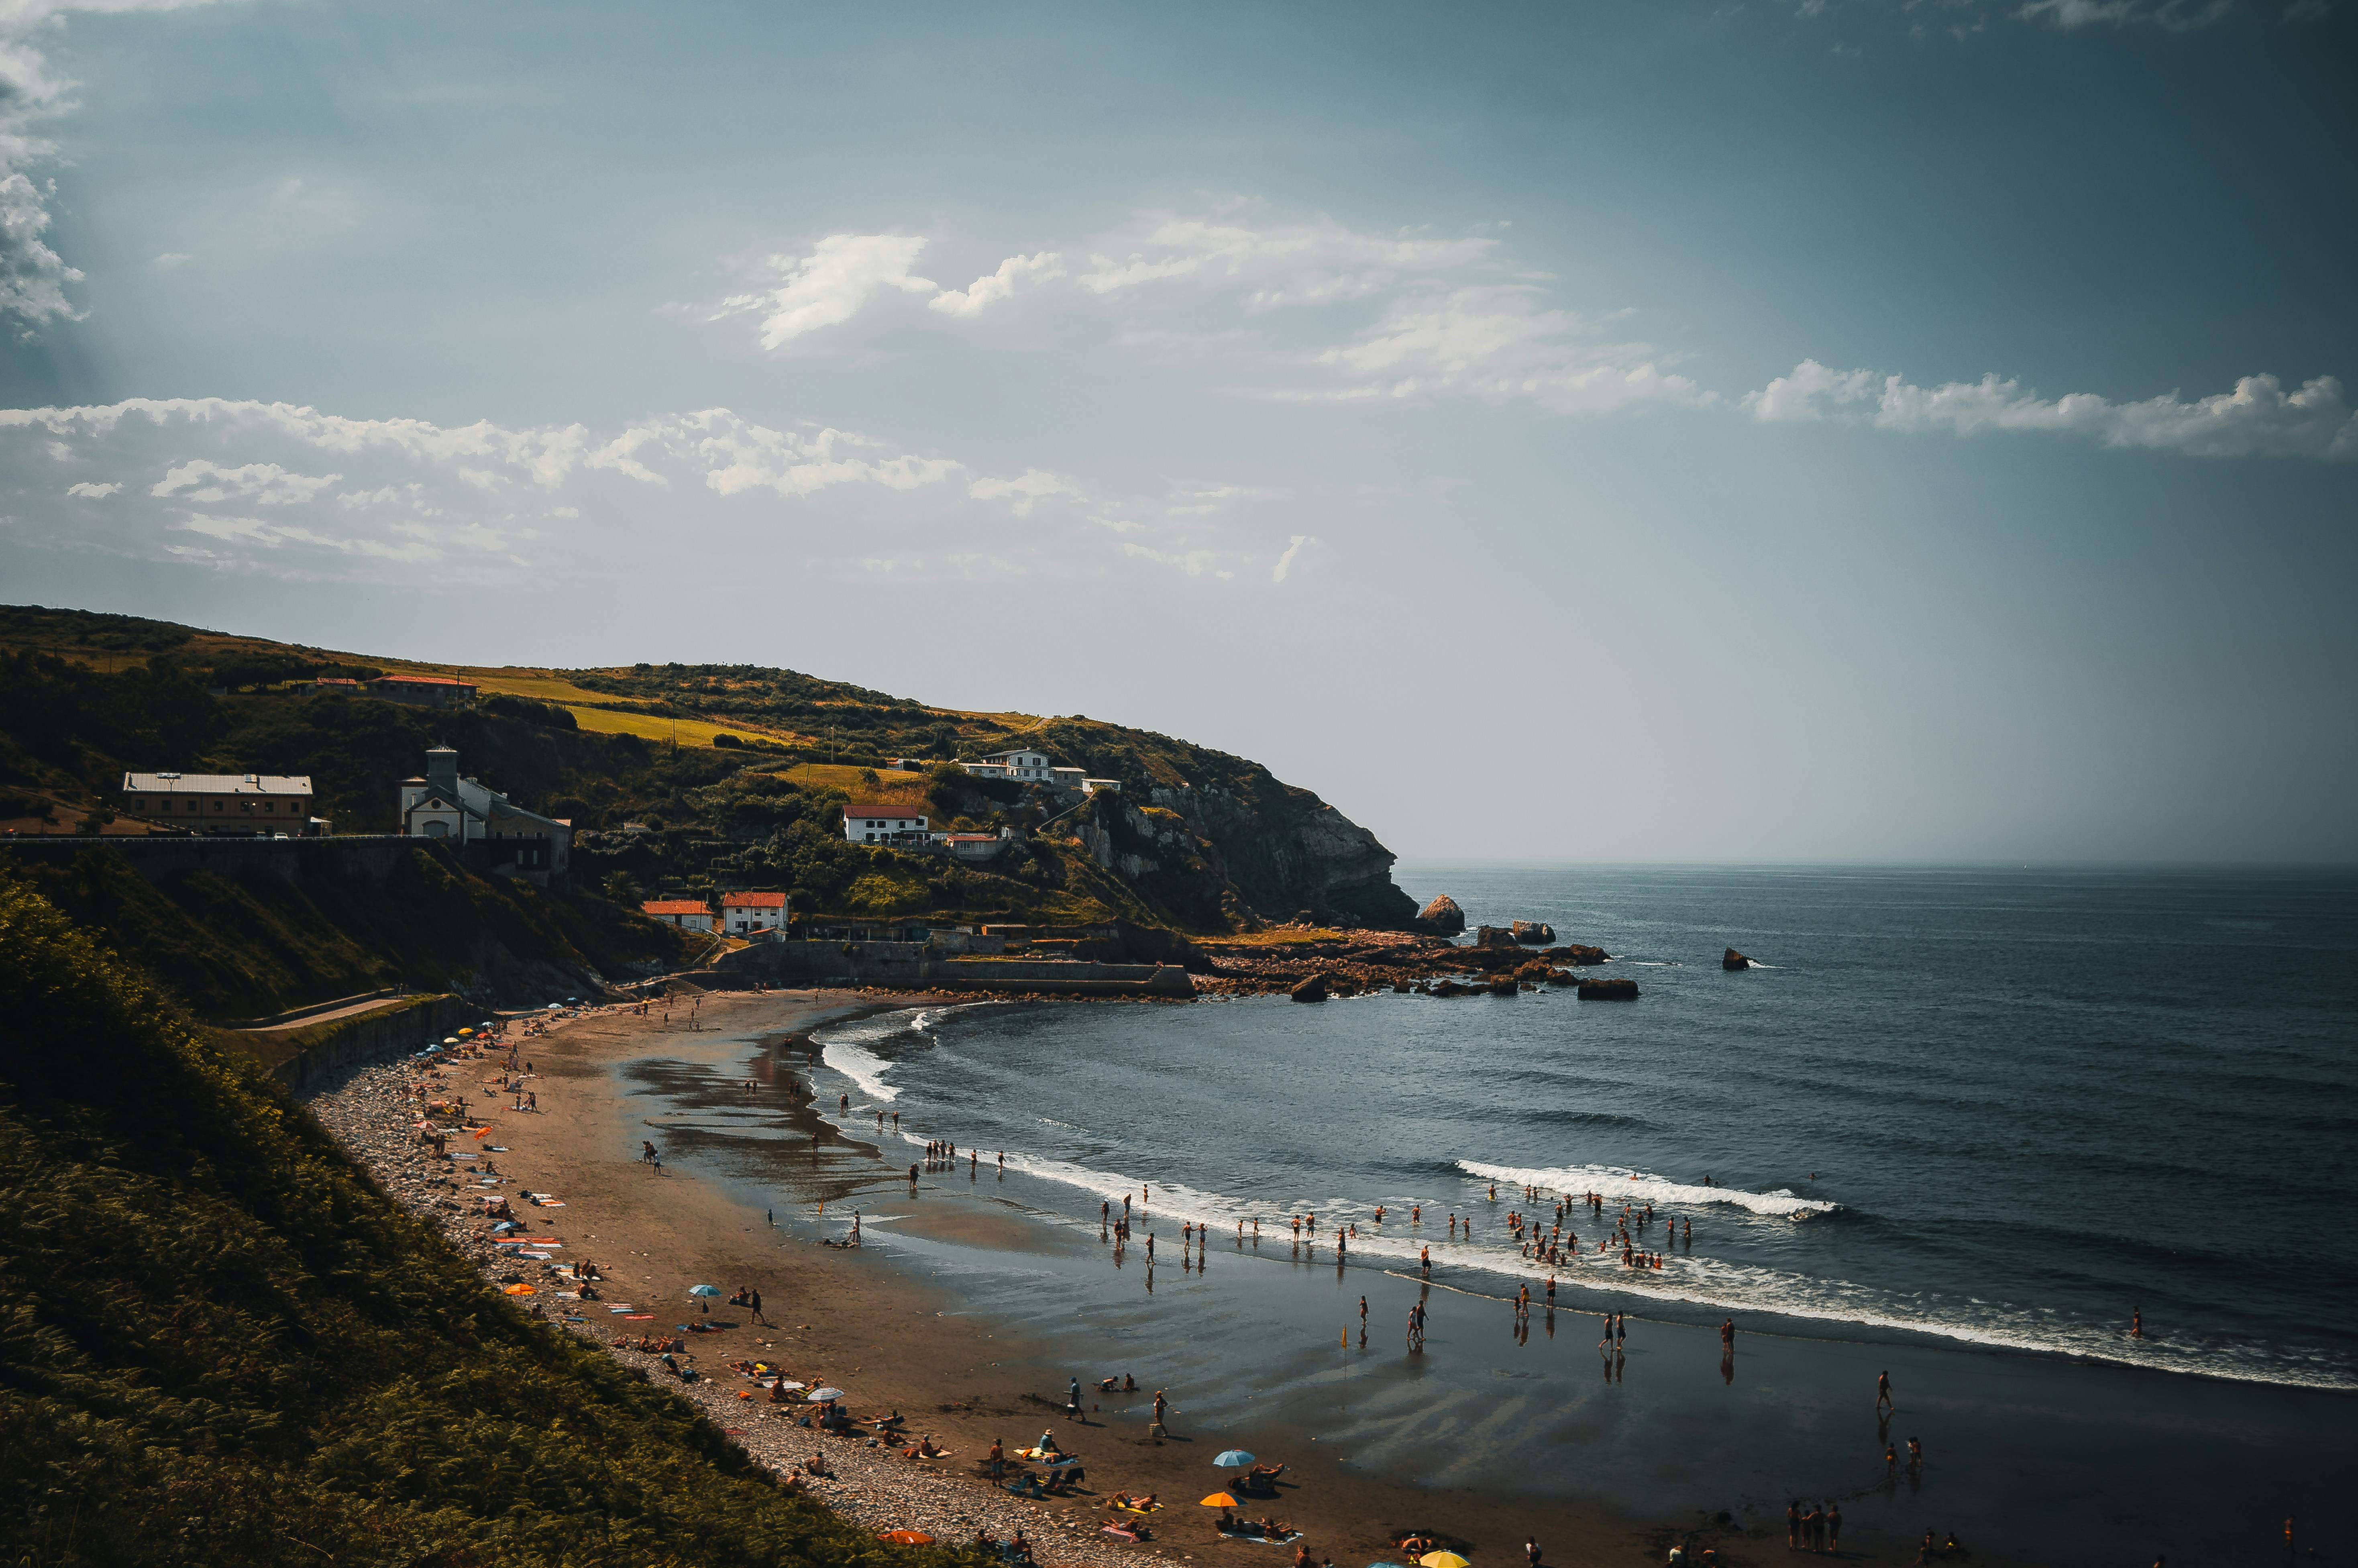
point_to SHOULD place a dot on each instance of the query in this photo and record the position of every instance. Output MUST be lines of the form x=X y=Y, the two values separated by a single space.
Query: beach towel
x=639 y=1317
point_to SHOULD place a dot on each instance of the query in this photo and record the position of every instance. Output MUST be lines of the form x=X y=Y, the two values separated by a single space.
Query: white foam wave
x=1621 y=1184
x=845 y=1046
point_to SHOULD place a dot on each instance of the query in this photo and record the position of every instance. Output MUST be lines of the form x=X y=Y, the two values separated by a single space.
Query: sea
x=2024 y=1108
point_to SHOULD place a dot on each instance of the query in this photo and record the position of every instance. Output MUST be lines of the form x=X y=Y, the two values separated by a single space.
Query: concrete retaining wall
x=165 y=854
x=373 y=1037
x=914 y=965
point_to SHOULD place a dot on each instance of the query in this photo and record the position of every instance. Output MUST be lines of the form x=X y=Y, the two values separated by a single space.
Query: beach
x=973 y=1302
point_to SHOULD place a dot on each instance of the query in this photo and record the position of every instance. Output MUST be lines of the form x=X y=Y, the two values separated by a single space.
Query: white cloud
x=1286 y=561
x=1025 y=491
x=172 y=259
x=266 y=485
x=829 y=286
x=328 y=208
x=243 y=485
x=1195 y=563
x=2258 y=418
x=1499 y=342
x=1308 y=262
x=2176 y=15
x=1015 y=272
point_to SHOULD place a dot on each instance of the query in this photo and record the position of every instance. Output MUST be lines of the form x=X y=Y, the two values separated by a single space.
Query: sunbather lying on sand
x=925 y=1449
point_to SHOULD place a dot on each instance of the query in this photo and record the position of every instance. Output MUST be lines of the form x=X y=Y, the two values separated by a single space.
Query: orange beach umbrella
x=907 y=1537
x=1219 y=1500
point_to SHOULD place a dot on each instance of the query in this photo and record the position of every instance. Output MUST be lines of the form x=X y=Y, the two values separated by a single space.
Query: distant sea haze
x=2003 y=1108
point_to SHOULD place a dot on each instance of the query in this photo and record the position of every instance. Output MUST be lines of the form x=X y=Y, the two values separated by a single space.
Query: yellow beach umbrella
x=521 y=1290
x=1444 y=1560
x=1219 y=1500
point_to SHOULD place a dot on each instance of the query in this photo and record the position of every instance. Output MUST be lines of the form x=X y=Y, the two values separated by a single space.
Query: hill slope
x=225 y=1345
x=750 y=794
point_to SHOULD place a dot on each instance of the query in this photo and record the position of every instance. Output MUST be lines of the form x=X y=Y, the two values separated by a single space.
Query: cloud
x=829 y=286
x=266 y=485
x=1025 y=491
x=33 y=275
x=1313 y=261
x=1015 y=272
x=1499 y=342
x=2258 y=418
x=2175 y=16
x=244 y=486
x=172 y=259
x=1195 y=563
x=1286 y=561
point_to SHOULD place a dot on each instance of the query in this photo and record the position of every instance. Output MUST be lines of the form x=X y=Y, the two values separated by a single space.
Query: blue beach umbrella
x=1235 y=1458
x=704 y=1290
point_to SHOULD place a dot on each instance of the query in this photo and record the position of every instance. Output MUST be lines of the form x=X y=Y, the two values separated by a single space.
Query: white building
x=688 y=913
x=1024 y=767
x=742 y=914
x=883 y=822
x=444 y=806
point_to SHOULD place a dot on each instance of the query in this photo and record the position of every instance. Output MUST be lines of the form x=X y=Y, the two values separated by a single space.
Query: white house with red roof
x=883 y=822
x=742 y=914
x=688 y=913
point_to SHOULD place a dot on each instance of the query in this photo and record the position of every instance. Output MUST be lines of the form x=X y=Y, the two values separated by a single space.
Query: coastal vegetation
x=226 y=1346
x=750 y=794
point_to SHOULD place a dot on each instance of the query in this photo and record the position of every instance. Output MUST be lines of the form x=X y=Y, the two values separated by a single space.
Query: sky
x=1828 y=430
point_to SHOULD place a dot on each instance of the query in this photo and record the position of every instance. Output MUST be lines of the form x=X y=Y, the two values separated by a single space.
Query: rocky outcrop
x=1608 y=990
x=1442 y=918
x=1578 y=953
x=1494 y=936
x=1735 y=960
x=1312 y=990
x=1538 y=933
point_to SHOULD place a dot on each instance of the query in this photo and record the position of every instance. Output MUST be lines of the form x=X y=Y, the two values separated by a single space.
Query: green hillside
x=224 y=1346
x=1199 y=839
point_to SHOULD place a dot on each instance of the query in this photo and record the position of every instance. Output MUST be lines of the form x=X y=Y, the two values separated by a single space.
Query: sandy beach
x=908 y=1324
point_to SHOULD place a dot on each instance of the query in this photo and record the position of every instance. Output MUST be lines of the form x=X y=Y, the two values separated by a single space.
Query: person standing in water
x=1883 y=1390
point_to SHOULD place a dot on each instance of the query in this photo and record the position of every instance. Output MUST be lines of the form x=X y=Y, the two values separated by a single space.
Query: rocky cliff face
x=1221 y=856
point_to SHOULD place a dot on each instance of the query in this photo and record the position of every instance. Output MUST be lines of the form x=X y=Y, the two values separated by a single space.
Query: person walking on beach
x=753 y=1305
x=1073 y=1402
x=1161 y=1406
x=1727 y=1336
x=1833 y=1528
x=998 y=1460
x=1883 y=1390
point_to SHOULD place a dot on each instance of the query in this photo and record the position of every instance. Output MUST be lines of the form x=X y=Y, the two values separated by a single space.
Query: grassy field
x=845 y=777
x=656 y=727
x=1285 y=938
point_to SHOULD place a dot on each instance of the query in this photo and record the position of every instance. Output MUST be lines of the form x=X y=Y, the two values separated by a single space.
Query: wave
x=1638 y=1187
x=846 y=1046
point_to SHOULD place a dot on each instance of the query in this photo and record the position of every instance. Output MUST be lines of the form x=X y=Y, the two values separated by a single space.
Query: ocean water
x=2004 y=1108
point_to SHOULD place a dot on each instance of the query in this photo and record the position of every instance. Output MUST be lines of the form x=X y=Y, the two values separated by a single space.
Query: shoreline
x=943 y=1265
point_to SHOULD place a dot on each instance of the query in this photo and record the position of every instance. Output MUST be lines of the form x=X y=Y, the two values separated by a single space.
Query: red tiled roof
x=752 y=901
x=883 y=808
x=675 y=907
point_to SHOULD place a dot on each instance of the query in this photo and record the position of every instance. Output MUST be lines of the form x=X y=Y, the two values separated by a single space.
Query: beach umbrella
x=825 y=1394
x=466 y=1032
x=450 y=1040
x=794 y=1387
x=1219 y=1500
x=907 y=1537
x=1444 y=1560
x=704 y=1290
x=1234 y=1459
x=521 y=1290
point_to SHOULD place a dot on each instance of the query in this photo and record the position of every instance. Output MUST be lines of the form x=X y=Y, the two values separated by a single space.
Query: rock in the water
x=1442 y=918
x=1449 y=988
x=1563 y=978
x=1312 y=990
x=1608 y=990
x=1504 y=985
x=1494 y=936
x=1735 y=960
x=1578 y=953
x=1539 y=933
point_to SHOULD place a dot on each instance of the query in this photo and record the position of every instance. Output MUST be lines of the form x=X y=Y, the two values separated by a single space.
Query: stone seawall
x=916 y=966
x=165 y=855
x=304 y=1059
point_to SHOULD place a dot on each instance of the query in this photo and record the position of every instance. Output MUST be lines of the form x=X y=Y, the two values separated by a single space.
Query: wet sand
x=966 y=1312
